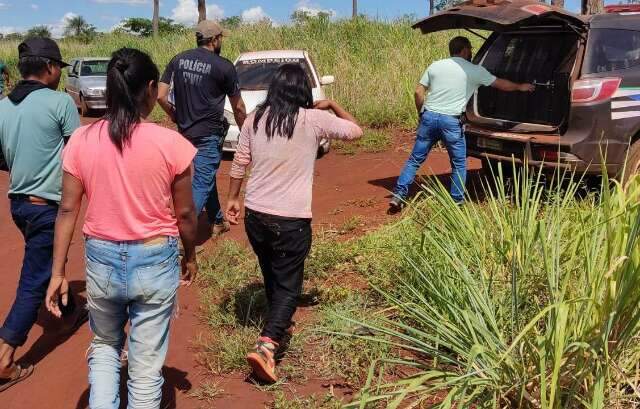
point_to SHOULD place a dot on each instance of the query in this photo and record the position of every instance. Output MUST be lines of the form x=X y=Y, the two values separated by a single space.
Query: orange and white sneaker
x=262 y=360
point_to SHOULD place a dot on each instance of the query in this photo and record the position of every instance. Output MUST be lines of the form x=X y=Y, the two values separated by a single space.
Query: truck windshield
x=611 y=50
x=255 y=75
x=94 y=68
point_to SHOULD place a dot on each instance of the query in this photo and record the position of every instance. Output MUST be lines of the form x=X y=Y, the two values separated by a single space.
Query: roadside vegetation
x=376 y=64
x=527 y=299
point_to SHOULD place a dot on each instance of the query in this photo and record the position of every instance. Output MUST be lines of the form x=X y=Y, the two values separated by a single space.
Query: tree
x=202 y=10
x=432 y=6
x=355 y=9
x=156 y=18
x=231 y=22
x=558 y=3
x=144 y=27
x=38 y=31
x=76 y=26
x=303 y=16
x=592 y=6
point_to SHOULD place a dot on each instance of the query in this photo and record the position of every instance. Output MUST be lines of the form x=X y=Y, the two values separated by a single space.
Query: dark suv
x=587 y=75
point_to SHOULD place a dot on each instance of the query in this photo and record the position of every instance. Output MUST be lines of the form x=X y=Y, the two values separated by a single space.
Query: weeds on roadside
x=529 y=300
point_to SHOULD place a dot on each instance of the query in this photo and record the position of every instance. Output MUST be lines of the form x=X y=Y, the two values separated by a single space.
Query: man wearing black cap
x=35 y=122
x=202 y=80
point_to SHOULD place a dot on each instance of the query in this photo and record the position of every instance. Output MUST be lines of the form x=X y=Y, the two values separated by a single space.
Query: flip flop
x=20 y=375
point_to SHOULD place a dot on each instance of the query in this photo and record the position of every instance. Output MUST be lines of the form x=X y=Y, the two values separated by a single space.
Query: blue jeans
x=434 y=127
x=136 y=282
x=36 y=223
x=206 y=165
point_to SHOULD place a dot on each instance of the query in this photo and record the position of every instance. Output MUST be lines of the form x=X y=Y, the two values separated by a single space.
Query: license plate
x=487 y=143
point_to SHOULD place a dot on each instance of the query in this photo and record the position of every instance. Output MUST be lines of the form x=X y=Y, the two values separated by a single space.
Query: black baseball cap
x=41 y=47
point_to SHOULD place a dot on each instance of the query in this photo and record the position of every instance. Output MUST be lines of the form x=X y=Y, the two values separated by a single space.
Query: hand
x=189 y=272
x=325 y=104
x=233 y=211
x=58 y=290
x=526 y=88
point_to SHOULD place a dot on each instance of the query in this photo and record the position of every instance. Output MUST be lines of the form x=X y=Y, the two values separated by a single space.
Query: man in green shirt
x=441 y=98
x=35 y=122
x=4 y=78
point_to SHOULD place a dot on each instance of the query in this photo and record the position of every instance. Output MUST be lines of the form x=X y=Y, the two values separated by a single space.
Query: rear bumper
x=95 y=102
x=522 y=149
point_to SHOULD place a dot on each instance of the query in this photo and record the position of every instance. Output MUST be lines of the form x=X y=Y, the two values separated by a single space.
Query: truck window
x=611 y=50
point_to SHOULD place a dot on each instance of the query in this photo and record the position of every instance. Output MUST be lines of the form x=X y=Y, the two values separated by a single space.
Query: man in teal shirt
x=448 y=85
x=35 y=122
x=4 y=78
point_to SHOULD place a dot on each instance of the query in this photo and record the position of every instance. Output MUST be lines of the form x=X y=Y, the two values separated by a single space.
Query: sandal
x=262 y=360
x=19 y=375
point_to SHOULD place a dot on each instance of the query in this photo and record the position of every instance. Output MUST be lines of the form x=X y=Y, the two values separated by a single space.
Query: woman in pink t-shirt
x=281 y=140
x=137 y=180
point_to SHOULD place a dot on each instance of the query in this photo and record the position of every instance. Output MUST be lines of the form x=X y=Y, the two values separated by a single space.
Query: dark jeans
x=205 y=167
x=282 y=245
x=433 y=128
x=36 y=222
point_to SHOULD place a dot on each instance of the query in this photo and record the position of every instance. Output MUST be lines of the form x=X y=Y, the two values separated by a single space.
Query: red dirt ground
x=345 y=186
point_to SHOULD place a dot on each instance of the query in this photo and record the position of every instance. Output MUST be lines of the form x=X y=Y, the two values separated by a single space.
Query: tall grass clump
x=377 y=64
x=530 y=299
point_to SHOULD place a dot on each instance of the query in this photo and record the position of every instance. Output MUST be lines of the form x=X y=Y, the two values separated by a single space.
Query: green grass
x=376 y=64
x=528 y=299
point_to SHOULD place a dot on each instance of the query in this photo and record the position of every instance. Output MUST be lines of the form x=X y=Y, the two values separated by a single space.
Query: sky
x=20 y=15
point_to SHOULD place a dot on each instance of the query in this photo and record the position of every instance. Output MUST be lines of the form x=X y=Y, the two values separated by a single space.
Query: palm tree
x=355 y=8
x=156 y=18
x=558 y=3
x=75 y=26
x=431 y=6
x=202 y=10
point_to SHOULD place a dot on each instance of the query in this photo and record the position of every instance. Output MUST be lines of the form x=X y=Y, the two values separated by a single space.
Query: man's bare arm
x=421 y=92
x=239 y=110
x=163 y=100
x=509 y=86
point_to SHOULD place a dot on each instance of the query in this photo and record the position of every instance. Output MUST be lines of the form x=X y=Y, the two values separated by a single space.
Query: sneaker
x=262 y=361
x=396 y=204
x=220 y=229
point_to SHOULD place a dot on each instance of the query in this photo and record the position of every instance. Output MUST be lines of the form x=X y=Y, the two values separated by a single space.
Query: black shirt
x=201 y=82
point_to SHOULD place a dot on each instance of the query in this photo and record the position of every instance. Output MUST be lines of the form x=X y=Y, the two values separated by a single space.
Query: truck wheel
x=490 y=168
x=632 y=167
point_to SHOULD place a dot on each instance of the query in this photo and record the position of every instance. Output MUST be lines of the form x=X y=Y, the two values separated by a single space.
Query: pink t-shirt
x=129 y=193
x=281 y=179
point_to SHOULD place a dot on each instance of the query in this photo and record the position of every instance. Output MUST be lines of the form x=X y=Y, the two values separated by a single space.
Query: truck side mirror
x=327 y=80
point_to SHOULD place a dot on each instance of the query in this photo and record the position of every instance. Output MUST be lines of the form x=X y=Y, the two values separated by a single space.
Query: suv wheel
x=633 y=162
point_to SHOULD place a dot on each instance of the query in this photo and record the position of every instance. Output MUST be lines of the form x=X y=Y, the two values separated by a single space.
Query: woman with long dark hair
x=132 y=173
x=281 y=140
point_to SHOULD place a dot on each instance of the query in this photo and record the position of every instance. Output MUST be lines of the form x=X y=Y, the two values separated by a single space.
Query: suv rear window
x=611 y=50
x=256 y=74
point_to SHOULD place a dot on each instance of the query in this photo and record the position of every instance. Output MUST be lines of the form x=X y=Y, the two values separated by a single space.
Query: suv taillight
x=594 y=89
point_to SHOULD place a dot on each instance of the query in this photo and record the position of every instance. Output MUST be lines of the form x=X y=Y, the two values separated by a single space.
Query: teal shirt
x=32 y=138
x=451 y=83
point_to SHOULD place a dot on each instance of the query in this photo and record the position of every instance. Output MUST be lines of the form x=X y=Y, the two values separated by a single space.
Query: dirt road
x=345 y=186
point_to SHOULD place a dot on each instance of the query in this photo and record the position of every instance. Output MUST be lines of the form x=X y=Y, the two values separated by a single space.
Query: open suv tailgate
x=495 y=15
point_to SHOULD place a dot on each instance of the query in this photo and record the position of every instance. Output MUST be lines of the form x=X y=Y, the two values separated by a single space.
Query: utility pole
x=156 y=18
x=202 y=10
x=355 y=9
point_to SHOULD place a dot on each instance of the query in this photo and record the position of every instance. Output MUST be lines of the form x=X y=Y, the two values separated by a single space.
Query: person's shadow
x=53 y=336
x=174 y=380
